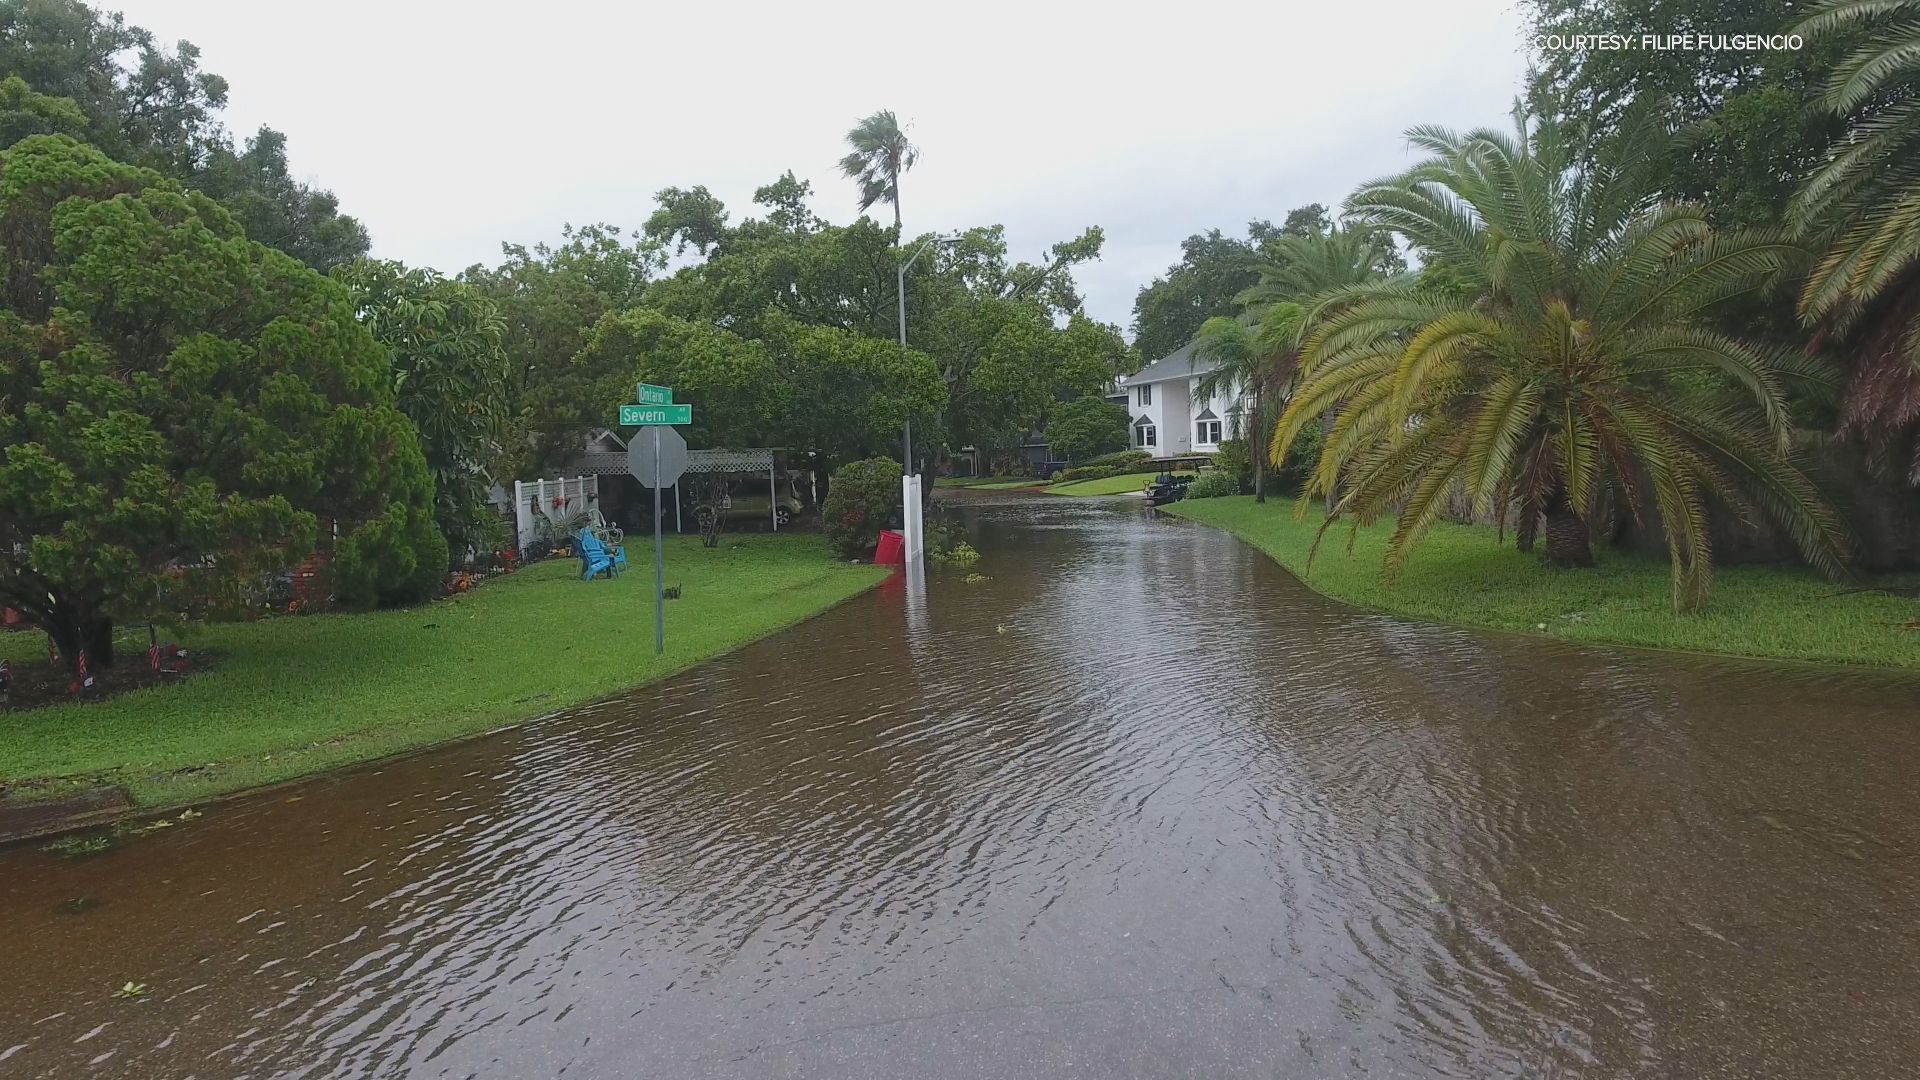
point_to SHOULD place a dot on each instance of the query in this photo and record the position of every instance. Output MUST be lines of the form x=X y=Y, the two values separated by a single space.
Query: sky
x=449 y=128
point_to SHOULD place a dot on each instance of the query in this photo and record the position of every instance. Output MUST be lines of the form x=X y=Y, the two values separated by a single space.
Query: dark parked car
x=1167 y=488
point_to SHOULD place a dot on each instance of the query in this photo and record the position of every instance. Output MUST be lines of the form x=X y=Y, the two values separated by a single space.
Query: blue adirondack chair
x=596 y=558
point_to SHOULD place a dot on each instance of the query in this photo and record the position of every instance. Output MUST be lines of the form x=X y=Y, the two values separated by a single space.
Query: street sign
x=645 y=415
x=649 y=394
x=672 y=457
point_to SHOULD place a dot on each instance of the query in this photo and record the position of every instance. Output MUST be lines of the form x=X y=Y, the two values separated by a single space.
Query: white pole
x=773 y=499
x=659 y=600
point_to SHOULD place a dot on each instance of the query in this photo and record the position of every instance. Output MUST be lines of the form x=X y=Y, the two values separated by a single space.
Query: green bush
x=861 y=497
x=1213 y=485
x=1232 y=459
x=1125 y=460
x=1084 y=472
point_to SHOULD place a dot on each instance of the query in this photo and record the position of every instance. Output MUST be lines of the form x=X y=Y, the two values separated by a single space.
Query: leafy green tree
x=277 y=210
x=861 y=498
x=24 y=112
x=1086 y=427
x=1866 y=198
x=450 y=378
x=182 y=408
x=551 y=299
x=144 y=104
x=731 y=382
x=1581 y=367
x=686 y=219
x=1213 y=270
x=881 y=154
x=1751 y=132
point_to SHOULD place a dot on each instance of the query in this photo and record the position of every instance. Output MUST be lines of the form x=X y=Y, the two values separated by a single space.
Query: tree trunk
x=1567 y=542
x=73 y=630
x=99 y=635
x=1257 y=445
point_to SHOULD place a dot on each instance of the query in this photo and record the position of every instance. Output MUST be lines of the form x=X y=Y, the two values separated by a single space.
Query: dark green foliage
x=1124 y=459
x=1751 y=130
x=139 y=102
x=1087 y=472
x=1086 y=428
x=1217 y=484
x=450 y=379
x=551 y=299
x=277 y=210
x=1213 y=269
x=183 y=408
x=862 y=498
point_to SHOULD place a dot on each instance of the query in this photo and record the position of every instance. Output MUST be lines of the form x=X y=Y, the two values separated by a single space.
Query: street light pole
x=900 y=295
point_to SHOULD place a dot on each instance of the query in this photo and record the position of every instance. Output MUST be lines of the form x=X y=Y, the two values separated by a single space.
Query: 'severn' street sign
x=650 y=394
x=644 y=415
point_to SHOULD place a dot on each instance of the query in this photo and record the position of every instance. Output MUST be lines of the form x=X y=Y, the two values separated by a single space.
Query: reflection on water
x=1138 y=804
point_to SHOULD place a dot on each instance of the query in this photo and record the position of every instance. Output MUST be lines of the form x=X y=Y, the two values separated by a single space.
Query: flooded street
x=1137 y=805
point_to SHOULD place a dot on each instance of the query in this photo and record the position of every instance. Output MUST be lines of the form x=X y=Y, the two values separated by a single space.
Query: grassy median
x=1123 y=484
x=296 y=695
x=1460 y=575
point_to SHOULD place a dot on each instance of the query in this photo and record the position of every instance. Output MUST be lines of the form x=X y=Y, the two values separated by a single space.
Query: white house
x=1168 y=417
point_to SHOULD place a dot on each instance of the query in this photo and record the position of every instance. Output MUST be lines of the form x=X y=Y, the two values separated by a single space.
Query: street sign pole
x=659 y=597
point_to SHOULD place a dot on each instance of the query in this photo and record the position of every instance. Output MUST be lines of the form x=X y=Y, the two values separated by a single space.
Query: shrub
x=1213 y=485
x=1125 y=460
x=1232 y=459
x=861 y=497
x=1084 y=472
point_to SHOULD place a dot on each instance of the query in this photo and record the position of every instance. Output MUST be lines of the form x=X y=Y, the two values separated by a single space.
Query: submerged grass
x=1460 y=575
x=293 y=696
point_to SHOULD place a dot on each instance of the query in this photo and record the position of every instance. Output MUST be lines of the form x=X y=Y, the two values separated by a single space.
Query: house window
x=1209 y=431
x=1143 y=395
x=1143 y=433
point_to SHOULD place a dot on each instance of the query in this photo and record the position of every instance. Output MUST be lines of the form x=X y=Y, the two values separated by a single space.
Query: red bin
x=892 y=549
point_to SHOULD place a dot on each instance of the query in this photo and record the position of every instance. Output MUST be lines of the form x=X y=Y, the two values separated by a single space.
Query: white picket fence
x=535 y=499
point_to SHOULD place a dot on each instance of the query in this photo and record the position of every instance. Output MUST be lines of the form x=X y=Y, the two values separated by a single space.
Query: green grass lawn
x=1459 y=575
x=1125 y=483
x=295 y=695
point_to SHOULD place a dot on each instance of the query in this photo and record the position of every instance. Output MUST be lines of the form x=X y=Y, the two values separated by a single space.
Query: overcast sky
x=451 y=127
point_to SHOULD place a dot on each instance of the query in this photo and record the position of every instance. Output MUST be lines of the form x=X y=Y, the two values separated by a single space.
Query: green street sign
x=645 y=415
x=650 y=394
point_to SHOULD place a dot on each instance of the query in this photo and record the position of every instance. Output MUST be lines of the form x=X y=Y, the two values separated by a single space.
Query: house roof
x=1178 y=364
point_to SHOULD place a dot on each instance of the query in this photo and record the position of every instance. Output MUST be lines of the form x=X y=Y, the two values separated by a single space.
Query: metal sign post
x=659 y=590
x=660 y=459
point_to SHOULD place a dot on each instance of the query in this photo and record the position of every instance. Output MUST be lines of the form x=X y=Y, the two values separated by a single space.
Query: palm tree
x=1257 y=354
x=880 y=154
x=1261 y=351
x=1565 y=364
x=1867 y=198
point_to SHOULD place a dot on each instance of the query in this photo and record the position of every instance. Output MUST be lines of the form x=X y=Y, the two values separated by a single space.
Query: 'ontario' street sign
x=650 y=394
x=645 y=415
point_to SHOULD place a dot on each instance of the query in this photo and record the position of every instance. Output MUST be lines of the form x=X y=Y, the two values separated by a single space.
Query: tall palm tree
x=881 y=152
x=1256 y=354
x=1867 y=197
x=1570 y=366
x=1261 y=351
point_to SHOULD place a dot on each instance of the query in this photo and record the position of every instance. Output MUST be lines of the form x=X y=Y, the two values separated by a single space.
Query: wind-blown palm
x=1867 y=196
x=1574 y=365
x=881 y=152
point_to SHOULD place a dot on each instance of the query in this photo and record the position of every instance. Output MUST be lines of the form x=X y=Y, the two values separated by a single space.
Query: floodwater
x=1137 y=805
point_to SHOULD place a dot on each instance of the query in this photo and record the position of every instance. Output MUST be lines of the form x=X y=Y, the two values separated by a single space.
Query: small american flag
x=153 y=648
